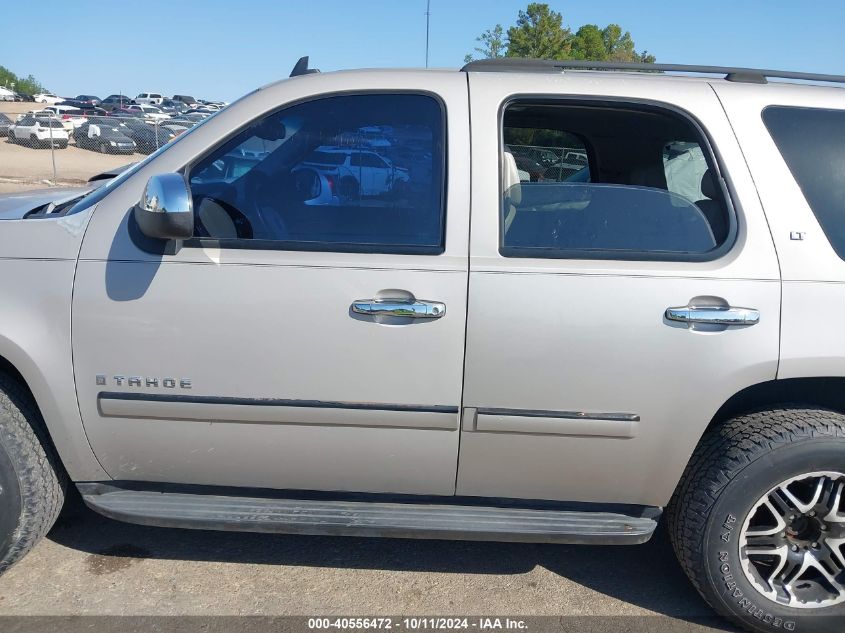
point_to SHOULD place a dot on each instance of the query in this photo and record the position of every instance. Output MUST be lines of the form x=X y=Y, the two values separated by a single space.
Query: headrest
x=708 y=186
x=510 y=179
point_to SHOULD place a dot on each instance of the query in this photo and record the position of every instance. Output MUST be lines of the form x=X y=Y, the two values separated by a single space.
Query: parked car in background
x=114 y=102
x=69 y=115
x=85 y=106
x=126 y=112
x=47 y=97
x=89 y=99
x=355 y=172
x=187 y=100
x=172 y=107
x=6 y=94
x=5 y=124
x=107 y=138
x=39 y=132
x=149 y=138
x=149 y=112
x=149 y=98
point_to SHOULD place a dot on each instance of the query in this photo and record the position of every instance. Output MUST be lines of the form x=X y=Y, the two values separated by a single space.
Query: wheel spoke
x=779 y=527
x=799 y=505
x=836 y=545
x=835 y=516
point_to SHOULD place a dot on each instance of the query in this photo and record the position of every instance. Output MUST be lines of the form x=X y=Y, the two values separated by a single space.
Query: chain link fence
x=59 y=144
x=557 y=164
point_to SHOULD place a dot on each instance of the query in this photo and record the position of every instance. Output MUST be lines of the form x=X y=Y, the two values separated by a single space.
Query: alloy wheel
x=792 y=544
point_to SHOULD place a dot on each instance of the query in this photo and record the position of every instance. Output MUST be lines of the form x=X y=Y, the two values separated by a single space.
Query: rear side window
x=812 y=142
x=607 y=181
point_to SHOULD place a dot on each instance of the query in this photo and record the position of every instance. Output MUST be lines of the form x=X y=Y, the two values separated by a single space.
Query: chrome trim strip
x=275 y=411
x=565 y=415
x=571 y=423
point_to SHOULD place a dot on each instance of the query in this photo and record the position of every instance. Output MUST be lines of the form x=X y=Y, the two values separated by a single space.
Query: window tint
x=618 y=183
x=346 y=173
x=812 y=142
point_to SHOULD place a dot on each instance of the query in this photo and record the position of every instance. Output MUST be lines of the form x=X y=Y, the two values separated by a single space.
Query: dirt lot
x=28 y=165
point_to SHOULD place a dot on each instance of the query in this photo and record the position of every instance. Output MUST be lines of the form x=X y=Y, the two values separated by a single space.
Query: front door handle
x=714 y=315
x=398 y=308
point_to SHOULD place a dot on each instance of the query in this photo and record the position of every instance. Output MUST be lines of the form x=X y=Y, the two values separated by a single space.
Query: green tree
x=539 y=33
x=492 y=44
x=588 y=43
x=28 y=84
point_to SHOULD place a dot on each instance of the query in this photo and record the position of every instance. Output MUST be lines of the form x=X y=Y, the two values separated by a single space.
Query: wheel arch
x=827 y=392
x=62 y=422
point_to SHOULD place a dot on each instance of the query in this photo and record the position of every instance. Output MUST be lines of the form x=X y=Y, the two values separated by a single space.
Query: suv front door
x=260 y=354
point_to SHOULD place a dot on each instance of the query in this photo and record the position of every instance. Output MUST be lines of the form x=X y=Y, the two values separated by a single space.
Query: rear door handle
x=397 y=308
x=714 y=315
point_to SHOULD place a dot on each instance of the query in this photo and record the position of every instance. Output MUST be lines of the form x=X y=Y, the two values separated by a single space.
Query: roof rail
x=744 y=75
x=301 y=68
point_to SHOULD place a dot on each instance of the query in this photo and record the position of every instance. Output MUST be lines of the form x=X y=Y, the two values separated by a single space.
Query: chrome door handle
x=398 y=308
x=714 y=315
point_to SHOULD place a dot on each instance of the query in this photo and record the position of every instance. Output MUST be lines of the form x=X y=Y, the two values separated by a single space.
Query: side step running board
x=367 y=518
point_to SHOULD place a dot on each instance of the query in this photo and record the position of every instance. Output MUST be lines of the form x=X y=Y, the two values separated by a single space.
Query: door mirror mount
x=166 y=211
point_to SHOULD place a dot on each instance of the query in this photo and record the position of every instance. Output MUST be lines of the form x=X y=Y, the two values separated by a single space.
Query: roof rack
x=301 y=68
x=744 y=75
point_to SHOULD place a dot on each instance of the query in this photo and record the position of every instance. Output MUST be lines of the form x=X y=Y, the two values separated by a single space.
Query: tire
x=720 y=505
x=349 y=189
x=104 y=148
x=32 y=480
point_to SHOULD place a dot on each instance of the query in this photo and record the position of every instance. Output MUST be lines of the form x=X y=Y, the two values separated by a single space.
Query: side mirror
x=166 y=210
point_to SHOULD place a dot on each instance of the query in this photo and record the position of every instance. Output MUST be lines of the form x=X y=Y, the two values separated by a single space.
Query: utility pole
x=427 y=29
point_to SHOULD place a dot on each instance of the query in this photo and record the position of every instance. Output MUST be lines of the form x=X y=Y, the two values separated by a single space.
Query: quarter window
x=812 y=142
x=345 y=173
x=606 y=181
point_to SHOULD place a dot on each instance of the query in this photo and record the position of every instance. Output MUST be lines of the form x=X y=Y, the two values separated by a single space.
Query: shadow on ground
x=647 y=576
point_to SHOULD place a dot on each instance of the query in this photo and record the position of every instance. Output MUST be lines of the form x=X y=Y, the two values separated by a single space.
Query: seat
x=712 y=209
x=512 y=186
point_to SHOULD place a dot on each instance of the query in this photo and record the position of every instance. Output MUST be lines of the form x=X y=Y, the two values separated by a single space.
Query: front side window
x=345 y=173
x=585 y=181
x=812 y=142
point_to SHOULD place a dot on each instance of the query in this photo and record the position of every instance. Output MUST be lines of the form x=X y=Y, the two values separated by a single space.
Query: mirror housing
x=166 y=209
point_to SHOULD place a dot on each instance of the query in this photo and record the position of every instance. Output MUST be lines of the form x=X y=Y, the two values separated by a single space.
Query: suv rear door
x=578 y=385
x=259 y=354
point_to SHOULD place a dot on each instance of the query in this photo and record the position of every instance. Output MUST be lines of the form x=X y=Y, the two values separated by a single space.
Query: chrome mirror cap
x=166 y=209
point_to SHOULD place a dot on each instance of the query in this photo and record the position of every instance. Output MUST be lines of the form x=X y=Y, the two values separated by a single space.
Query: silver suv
x=222 y=345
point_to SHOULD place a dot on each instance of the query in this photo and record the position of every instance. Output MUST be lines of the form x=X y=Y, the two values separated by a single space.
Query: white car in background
x=39 y=131
x=47 y=97
x=71 y=117
x=149 y=112
x=149 y=98
x=355 y=172
x=6 y=95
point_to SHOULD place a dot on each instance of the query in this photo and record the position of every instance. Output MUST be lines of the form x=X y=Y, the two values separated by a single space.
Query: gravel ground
x=90 y=565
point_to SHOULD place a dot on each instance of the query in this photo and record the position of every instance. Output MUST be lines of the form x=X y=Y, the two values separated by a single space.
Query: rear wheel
x=758 y=520
x=32 y=483
x=104 y=148
x=349 y=188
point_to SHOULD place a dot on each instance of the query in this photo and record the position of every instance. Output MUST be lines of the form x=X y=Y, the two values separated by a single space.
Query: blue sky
x=219 y=49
